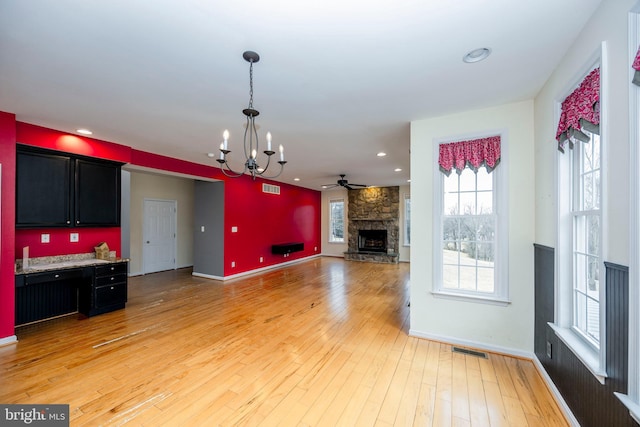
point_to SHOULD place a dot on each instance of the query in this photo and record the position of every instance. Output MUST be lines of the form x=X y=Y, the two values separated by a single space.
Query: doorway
x=159 y=235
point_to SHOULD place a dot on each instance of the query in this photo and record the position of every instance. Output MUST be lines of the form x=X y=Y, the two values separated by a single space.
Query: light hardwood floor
x=320 y=343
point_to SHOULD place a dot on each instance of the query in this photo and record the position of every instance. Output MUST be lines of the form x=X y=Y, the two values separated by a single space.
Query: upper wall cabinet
x=56 y=189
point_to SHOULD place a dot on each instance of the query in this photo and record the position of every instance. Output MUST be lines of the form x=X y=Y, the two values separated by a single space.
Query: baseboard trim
x=555 y=392
x=256 y=271
x=564 y=408
x=12 y=339
x=472 y=344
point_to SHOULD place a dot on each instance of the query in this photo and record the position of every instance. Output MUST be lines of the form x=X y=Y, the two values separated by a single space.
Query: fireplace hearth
x=372 y=241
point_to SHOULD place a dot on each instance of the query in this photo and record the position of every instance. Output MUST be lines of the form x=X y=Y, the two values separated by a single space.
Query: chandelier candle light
x=251 y=147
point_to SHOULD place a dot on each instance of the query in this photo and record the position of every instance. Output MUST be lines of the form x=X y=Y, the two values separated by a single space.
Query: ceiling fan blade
x=329 y=185
x=348 y=187
x=358 y=185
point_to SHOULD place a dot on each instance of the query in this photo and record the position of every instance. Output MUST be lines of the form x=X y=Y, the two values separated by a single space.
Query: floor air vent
x=469 y=352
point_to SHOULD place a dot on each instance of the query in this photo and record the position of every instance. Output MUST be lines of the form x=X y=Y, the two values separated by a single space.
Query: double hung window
x=470 y=248
x=336 y=221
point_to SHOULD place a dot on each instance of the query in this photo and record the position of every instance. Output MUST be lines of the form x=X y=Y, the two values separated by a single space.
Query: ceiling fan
x=343 y=183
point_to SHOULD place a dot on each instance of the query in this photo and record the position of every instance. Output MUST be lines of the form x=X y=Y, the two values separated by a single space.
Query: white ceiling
x=338 y=80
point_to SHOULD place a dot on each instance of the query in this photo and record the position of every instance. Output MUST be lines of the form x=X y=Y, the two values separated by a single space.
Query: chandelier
x=251 y=145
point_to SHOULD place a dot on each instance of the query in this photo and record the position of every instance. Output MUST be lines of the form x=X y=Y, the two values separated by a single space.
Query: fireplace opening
x=372 y=240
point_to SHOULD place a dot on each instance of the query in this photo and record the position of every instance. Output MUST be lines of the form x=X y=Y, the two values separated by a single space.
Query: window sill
x=335 y=243
x=587 y=354
x=471 y=298
x=633 y=407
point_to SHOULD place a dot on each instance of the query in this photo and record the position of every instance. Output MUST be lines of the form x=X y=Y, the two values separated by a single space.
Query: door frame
x=144 y=230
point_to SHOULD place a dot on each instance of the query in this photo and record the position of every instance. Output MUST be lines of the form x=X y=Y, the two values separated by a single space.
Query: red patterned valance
x=473 y=154
x=636 y=66
x=580 y=109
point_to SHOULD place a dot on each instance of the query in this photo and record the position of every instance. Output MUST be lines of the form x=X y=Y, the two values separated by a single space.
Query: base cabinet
x=107 y=291
x=89 y=290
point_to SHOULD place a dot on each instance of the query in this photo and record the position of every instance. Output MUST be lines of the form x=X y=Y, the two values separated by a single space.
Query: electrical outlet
x=202 y=229
x=315 y=248
x=233 y=264
x=44 y=238
x=261 y=259
x=234 y=229
x=74 y=237
x=548 y=349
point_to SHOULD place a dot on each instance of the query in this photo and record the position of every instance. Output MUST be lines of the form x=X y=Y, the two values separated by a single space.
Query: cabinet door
x=43 y=185
x=97 y=194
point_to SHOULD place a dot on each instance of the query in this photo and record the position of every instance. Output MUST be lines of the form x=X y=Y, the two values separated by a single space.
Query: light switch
x=44 y=238
x=234 y=229
x=74 y=237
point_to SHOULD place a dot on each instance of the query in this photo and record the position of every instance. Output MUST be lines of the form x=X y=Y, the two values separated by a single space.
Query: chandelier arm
x=233 y=173
x=282 y=163
x=246 y=129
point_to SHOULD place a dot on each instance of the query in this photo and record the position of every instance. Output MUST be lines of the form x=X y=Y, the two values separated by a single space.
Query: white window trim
x=593 y=359
x=404 y=220
x=344 y=222
x=501 y=200
x=632 y=399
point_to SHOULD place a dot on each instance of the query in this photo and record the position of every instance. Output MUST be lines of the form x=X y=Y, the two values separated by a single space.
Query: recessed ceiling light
x=381 y=154
x=408 y=180
x=84 y=131
x=397 y=170
x=324 y=186
x=296 y=179
x=211 y=155
x=477 y=55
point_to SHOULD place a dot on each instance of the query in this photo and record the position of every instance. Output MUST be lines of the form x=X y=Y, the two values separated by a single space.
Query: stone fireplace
x=373 y=231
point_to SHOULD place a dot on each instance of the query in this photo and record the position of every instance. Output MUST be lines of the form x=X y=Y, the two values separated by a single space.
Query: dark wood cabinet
x=107 y=290
x=89 y=290
x=97 y=194
x=43 y=189
x=56 y=189
x=45 y=295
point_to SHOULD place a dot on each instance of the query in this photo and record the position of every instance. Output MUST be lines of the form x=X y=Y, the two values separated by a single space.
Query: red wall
x=262 y=219
x=7 y=223
x=265 y=219
x=59 y=241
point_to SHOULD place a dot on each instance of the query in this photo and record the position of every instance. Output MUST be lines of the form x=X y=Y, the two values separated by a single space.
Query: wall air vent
x=271 y=189
x=469 y=352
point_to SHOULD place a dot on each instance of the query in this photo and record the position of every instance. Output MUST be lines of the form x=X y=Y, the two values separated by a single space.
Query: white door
x=159 y=245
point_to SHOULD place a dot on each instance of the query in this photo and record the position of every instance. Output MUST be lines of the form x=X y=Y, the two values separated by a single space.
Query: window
x=407 y=220
x=470 y=229
x=468 y=232
x=580 y=281
x=336 y=221
x=587 y=258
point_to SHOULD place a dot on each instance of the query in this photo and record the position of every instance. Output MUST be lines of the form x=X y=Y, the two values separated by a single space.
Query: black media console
x=286 y=248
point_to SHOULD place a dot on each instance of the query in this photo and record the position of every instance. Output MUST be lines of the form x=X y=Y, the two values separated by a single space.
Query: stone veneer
x=374 y=208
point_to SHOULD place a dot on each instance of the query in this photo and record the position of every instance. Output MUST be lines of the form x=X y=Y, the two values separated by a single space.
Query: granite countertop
x=63 y=262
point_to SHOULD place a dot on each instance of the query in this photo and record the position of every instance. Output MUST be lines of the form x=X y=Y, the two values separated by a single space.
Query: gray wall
x=208 y=256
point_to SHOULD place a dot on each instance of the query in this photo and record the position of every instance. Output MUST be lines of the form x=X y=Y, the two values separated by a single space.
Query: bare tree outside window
x=468 y=232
